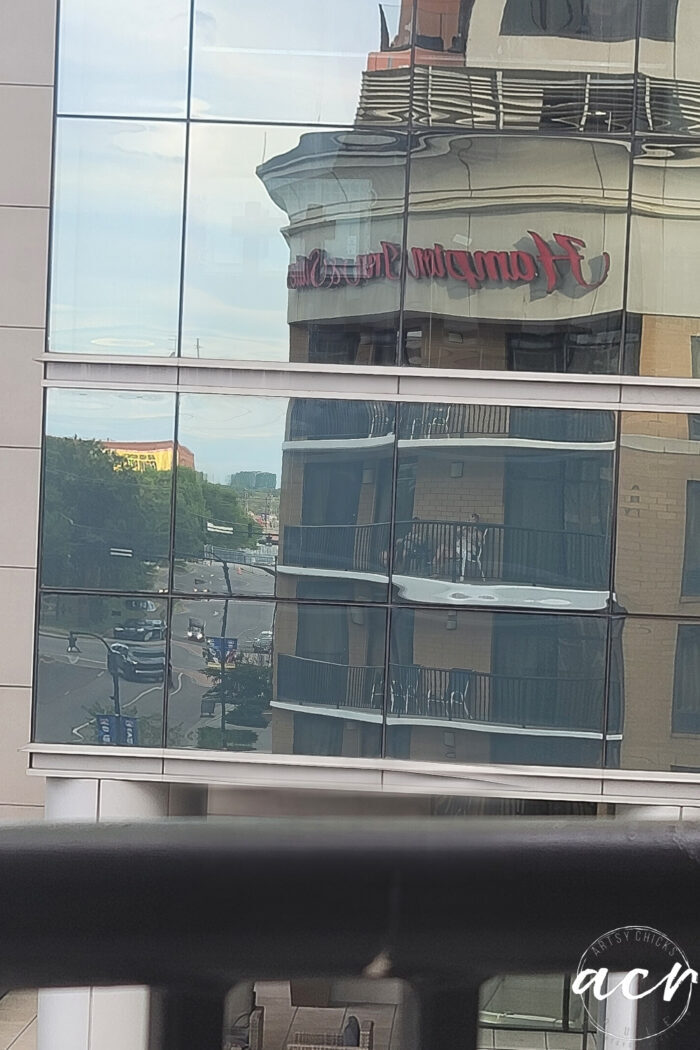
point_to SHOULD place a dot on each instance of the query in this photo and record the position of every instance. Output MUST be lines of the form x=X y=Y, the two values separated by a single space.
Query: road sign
x=129 y=731
x=118 y=729
x=107 y=729
x=218 y=649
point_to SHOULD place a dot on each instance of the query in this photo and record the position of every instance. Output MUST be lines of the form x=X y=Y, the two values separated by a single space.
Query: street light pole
x=222 y=653
x=111 y=662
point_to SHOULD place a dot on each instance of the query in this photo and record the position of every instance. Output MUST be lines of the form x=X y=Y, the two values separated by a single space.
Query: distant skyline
x=226 y=434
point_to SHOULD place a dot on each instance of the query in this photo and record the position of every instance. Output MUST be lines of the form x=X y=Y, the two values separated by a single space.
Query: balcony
x=459 y=551
x=313 y=420
x=456 y=551
x=458 y=695
x=421 y=422
x=337 y=548
x=342 y=686
x=569 y=705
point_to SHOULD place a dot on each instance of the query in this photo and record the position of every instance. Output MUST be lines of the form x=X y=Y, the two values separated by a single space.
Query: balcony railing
x=358 y=548
x=455 y=695
x=509 y=700
x=419 y=422
x=317 y=420
x=454 y=550
x=329 y=684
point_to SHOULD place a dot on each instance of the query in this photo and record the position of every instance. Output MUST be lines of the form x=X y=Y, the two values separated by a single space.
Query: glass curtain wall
x=482 y=185
x=445 y=185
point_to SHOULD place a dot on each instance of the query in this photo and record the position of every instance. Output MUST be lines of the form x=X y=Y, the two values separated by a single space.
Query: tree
x=246 y=692
x=94 y=503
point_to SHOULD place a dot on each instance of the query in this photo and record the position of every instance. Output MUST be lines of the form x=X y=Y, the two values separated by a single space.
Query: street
x=73 y=687
x=245 y=579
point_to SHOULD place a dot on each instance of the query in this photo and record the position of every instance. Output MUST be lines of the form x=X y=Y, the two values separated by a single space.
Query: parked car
x=134 y=662
x=140 y=631
x=263 y=643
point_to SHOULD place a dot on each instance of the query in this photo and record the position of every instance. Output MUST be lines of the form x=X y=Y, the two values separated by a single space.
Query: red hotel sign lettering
x=320 y=270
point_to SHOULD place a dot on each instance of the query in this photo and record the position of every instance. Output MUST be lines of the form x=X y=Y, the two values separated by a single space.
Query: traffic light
x=250 y=530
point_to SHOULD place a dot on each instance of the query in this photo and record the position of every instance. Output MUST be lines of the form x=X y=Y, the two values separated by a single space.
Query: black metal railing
x=455 y=551
x=418 y=422
x=458 y=694
x=441 y=904
x=330 y=684
x=311 y=419
x=362 y=548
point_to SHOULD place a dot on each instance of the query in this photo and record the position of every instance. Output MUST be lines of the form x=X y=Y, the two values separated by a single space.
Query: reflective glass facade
x=429 y=581
x=236 y=558
x=453 y=185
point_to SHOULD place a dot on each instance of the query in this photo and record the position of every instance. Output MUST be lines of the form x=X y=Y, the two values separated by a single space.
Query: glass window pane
x=285 y=496
x=503 y=688
x=268 y=60
x=530 y=275
x=658 y=725
x=107 y=490
x=664 y=256
x=591 y=36
x=579 y=19
x=100 y=670
x=667 y=99
x=282 y=223
x=508 y=506
x=115 y=274
x=280 y=679
x=658 y=529
x=123 y=57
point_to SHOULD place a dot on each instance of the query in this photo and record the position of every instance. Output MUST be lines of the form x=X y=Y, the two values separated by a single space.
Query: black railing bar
x=101 y=904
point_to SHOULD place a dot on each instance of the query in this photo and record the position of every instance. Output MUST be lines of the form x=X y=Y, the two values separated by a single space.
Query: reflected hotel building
x=369 y=440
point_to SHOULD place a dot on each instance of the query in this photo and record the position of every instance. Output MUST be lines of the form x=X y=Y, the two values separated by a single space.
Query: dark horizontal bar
x=184 y=905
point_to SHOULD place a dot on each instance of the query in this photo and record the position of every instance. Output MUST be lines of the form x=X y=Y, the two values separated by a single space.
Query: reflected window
x=661 y=709
x=686 y=698
x=123 y=57
x=117 y=225
x=101 y=670
x=479 y=687
x=597 y=20
x=691 y=561
x=108 y=467
x=657 y=560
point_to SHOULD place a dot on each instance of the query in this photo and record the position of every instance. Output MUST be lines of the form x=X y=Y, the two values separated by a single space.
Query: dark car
x=134 y=662
x=140 y=631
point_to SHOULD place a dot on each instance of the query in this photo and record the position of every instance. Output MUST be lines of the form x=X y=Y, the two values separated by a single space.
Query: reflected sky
x=228 y=434
x=272 y=60
x=235 y=301
x=123 y=57
x=110 y=415
x=117 y=236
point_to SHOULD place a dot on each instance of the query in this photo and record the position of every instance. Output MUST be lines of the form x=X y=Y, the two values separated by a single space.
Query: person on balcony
x=472 y=544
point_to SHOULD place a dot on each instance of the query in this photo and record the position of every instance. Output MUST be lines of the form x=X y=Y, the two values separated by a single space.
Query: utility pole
x=112 y=665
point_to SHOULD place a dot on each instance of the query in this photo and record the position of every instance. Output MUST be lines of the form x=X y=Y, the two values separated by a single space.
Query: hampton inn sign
x=320 y=270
